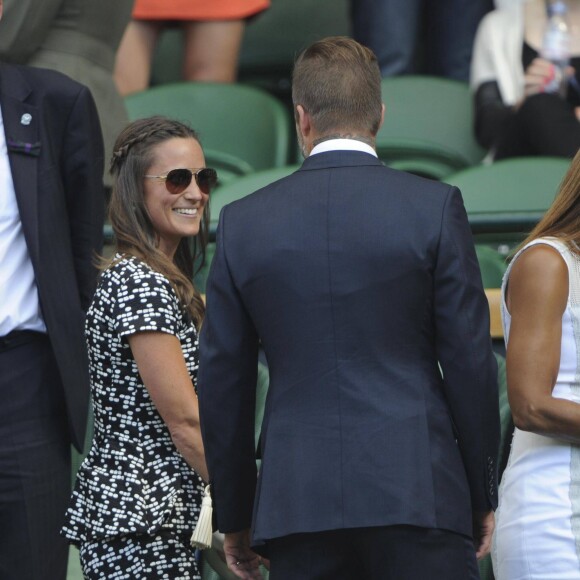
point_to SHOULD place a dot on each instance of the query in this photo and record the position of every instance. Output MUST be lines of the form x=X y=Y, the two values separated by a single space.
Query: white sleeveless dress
x=537 y=534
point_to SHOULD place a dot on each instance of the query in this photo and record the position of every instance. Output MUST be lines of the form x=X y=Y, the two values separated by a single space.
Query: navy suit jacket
x=359 y=281
x=56 y=160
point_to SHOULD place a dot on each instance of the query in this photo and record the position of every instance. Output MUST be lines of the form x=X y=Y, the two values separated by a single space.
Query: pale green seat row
x=509 y=196
x=428 y=126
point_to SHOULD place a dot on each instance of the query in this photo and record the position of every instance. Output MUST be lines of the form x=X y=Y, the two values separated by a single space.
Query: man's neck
x=363 y=138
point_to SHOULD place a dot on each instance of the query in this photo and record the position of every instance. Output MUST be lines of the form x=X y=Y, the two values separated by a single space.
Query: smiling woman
x=139 y=489
x=175 y=204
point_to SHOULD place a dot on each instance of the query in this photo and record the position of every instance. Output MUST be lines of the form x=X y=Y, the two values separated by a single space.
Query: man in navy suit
x=361 y=283
x=51 y=220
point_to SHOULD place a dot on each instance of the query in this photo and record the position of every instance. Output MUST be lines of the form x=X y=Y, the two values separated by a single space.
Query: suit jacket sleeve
x=465 y=354
x=227 y=393
x=82 y=171
x=25 y=24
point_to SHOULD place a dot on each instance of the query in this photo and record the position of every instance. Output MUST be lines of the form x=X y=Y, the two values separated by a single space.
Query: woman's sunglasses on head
x=177 y=180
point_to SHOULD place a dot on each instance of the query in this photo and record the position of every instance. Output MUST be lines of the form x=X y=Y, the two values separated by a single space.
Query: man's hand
x=483 y=526
x=239 y=557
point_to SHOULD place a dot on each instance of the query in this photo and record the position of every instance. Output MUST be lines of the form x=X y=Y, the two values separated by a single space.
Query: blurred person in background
x=213 y=34
x=51 y=226
x=78 y=38
x=515 y=115
x=392 y=29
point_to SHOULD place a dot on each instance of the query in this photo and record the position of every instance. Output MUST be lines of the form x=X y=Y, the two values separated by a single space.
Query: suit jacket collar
x=339 y=159
x=14 y=93
x=13 y=83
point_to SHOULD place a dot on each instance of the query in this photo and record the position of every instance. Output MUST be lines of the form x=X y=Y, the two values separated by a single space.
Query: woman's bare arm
x=162 y=367
x=536 y=298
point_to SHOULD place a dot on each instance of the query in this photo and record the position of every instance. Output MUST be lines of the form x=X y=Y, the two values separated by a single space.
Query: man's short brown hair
x=338 y=82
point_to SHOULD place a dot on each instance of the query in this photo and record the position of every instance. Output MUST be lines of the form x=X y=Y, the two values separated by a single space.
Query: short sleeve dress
x=133 y=480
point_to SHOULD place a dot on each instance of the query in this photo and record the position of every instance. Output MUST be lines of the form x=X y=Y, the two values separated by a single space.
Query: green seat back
x=492 y=266
x=509 y=195
x=200 y=277
x=238 y=188
x=505 y=414
x=261 y=394
x=428 y=120
x=228 y=166
x=74 y=570
x=271 y=42
x=242 y=122
x=276 y=36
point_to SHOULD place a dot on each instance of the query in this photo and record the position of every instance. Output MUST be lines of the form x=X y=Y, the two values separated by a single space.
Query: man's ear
x=383 y=109
x=303 y=121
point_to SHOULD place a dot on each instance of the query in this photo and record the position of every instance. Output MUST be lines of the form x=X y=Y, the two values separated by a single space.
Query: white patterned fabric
x=537 y=522
x=165 y=556
x=133 y=480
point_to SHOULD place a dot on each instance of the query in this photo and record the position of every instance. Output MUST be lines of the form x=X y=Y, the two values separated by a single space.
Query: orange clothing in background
x=197 y=9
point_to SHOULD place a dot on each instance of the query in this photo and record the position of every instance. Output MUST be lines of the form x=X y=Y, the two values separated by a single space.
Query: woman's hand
x=539 y=74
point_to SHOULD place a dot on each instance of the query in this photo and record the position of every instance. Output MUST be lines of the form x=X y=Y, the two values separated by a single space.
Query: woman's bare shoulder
x=539 y=274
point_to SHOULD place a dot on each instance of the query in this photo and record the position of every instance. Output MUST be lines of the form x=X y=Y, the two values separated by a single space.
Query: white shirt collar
x=343 y=145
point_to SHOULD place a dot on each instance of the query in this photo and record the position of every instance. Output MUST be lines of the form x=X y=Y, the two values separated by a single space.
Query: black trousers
x=545 y=124
x=381 y=553
x=34 y=463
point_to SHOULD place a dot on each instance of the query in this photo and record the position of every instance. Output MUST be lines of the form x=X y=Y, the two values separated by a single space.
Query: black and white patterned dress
x=134 y=491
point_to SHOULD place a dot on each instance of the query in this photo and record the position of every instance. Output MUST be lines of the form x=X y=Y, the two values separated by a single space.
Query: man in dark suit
x=51 y=216
x=359 y=281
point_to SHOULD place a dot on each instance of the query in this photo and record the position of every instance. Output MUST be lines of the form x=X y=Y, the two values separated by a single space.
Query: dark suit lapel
x=21 y=130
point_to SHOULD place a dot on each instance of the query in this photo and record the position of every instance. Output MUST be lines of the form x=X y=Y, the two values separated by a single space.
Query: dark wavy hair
x=134 y=232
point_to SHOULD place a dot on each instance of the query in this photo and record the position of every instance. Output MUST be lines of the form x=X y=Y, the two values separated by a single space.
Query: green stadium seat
x=491 y=264
x=271 y=42
x=238 y=188
x=248 y=127
x=509 y=196
x=74 y=571
x=428 y=126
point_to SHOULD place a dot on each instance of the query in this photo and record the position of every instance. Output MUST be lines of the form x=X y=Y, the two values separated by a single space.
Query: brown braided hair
x=134 y=232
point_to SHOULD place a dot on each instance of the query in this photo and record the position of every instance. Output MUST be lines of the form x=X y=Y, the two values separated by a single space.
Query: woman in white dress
x=538 y=519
